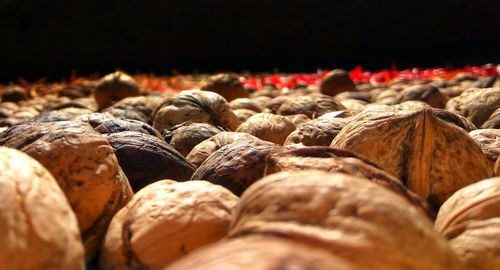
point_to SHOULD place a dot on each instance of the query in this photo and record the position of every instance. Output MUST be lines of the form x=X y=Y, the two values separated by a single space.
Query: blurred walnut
x=426 y=93
x=312 y=106
x=470 y=219
x=14 y=94
x=244 y=114
x=245 y=103
x=269 y=127
x=493 y=121
x=113 y=87
x=432 y=157
x=143 y=104
x=186 y=136
x=354 y=105
x=476 y=104
x=354 y=219
x=335 y=82
x=165 y=221
x=227 y=85
x=320 y=131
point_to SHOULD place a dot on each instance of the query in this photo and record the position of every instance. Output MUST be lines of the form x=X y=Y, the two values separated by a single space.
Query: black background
x=44 y=38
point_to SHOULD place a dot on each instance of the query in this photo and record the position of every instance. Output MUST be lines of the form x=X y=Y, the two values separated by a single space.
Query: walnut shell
x=312 y=106
x=145 y=158
x=260 y=253
x=245 y=103
x=335 y=82
x=39 y=230
x=14 y=94
x=354 y=105
x=489 y=140
x=470 y=219
x=195 y=106
x=204 y=149
x=115 y=125
x=476 y=104
x=236 y=166
x=269 y=127
x=126 y=114
x=164 y=221
x=351 y=217
x=426 y=93
x=244 y=114
x=493 y=121
x=432 y=157
x=337 y=160
x=227 y=85
x=113 y=87
x=320 y=131
x=143 y=104
x=84 y=165
x=186 y=136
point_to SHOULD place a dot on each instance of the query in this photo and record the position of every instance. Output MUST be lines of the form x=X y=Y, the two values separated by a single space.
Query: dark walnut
x=195 y=106
x=470 y=219
x=476 y=104
x=115 y=125
x=260 y=253
x=338 y=160
x=335 y=82
x=184 y=137
x=312 y=106
x=204 y=149
x=269 y=127
x=489 y=140
x=433 y=158
x=146 y=159
x=246 y=103
x=493 y=121
x=165 y=221
x=236 y=166
x=349 y=216
x=227 y=85
x=113 y=87
x=426 y=93
x=35 y=217
x=14 y=94
x=84 y=165
x=320 y=131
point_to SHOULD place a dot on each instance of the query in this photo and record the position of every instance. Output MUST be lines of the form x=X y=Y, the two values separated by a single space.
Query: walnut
x=489 y=140
x=476 y=104
x=335 y=82
x=184 y=137
x=84 y=165
x=39 y=230
x=14 y=94
x=195 y=106
x=143 y=104
x=115 y=125
x=312 y=106
x=262 y=253
x=245 y=103
x=426 y=93
x=237 y=165
x=114 y=87
x=354 y=105
x=204 y=149
x=269 y=127
x=493 y=121
x=227 y=85
x=164 y=221
x=432 y=157
x=244 y=114
x=320 y=131
x=470 y=219
x=351 y=217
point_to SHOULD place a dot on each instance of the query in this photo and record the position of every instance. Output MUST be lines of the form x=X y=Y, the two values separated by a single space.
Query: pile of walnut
x=106 y=175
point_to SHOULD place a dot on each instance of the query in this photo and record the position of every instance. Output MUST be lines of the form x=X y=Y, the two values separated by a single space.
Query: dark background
x=50 y=38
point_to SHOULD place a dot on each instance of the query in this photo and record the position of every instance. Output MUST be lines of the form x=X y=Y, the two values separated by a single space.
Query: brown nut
x=312 y=106
x=470 y=219
x=493 y=121
x=246 y=103
x=165 y=221
x=113 y=87
x=244 y=114
x=426 y=93
x=184 y=137
x=476 y=104
x=351 y=217
x=432 y=157
x=269 y=127
x=39 y=230
x=335 y=82
x=489 y=140
x=320 y=131
x=227 y=85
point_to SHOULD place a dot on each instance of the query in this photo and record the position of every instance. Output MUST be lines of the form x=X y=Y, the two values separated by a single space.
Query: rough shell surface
x=426 y=93
x=476 y=104
x=489 y=140
x=115 y=125
x=320 y=131
x=144 y=104
x=186 y=136
x=313 y=105
x=165 y=221
x=269 y=127
x=493 y=121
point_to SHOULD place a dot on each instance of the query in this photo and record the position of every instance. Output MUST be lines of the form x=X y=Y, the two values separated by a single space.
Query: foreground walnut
x=204 y=149
x=489 y=140
x=236 y=166
x=335 y=82
x=164 y=221
x=39 y=230
x=269 y=127
x=312 y=106
x=84 y=165
x=470 y=219
x=432 y=157
x=260 y=253
x=476 y=104
x=186 y=136
x=351 y=217
x=195 y=106
x=227 y=85
x=114 y=87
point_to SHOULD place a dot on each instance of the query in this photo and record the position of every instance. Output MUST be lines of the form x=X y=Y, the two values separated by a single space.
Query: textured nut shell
x=195 y=106
x=320 y=131
x=245 y=103
x=471 y=220
x=115 y=86
x=145 y=159
x=204 y=149
x=268 y=127
x=126 y=114
x=39 y=230
x=426 y=93
x=433 y=158
x=260 y=253
x=115 y=125
x=489 y=140
x=144 y=104
x=493 y=121
x=164 y=221
x=354 y=105
x=84 y=165
x=244 y=114
x=185 y=137
x=476 y=104
x=226 y=85
x=349 y=216
x=236 y=166
x=335 y=82
x=312 y=106
x=337 y=160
